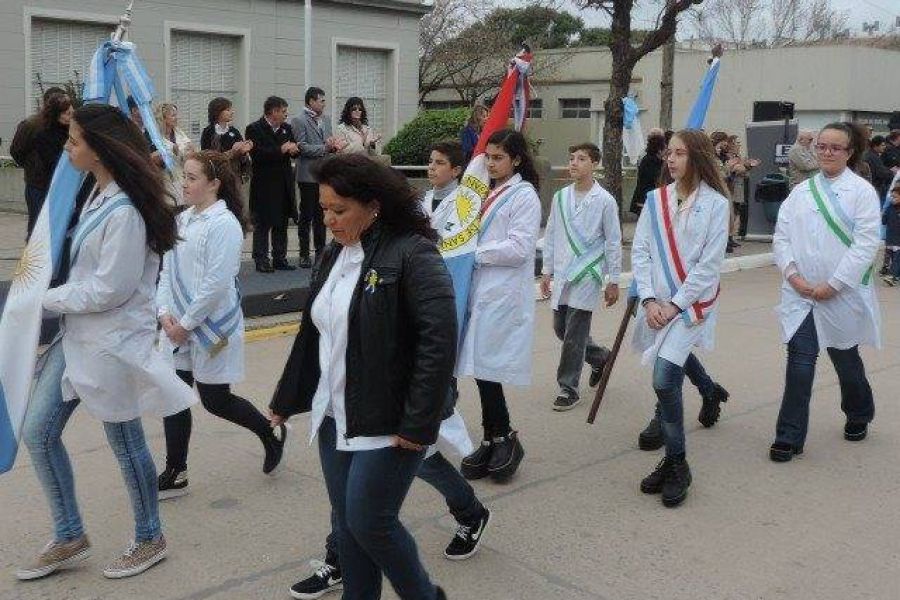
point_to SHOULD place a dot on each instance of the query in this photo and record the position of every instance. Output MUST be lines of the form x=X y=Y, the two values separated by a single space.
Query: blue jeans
x=856 y=393
x=698 y=376
x=437 y=472
x=667 y=381
x=47 y=417
x=367 y=490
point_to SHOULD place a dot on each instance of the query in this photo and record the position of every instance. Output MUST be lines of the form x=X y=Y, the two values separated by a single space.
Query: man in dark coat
x=272 y=198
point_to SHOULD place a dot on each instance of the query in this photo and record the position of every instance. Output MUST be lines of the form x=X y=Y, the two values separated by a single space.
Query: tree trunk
x=623 y=62
x=666 y=85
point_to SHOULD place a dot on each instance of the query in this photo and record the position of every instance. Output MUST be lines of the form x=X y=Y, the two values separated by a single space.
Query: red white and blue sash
x=495 y=201
x=667 y=247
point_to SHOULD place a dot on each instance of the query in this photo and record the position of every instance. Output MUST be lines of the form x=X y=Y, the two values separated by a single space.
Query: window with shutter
x=362 y=72
x=203 y=67
x=59 y=50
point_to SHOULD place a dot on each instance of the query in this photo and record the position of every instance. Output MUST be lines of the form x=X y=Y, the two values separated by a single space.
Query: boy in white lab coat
x=582 y=243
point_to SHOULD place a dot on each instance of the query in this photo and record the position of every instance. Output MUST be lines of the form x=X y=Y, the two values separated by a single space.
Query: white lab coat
x=497 y=341
x=597 y=220
x=109 y=322
x=701 y=234
x=803 y=242
x=209 y=259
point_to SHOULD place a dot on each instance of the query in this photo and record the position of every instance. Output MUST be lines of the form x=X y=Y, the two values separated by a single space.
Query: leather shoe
x=283 y=265
x=304 y=262
x=264 y=266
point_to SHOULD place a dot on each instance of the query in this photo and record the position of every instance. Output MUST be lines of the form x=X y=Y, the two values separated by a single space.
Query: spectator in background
x=468 y=137
x=314 y=138
x=22 y=150
x=881 y=175
x=134 y=113
x=220 y=135
x=891 y=155
x=737 y=171
x=890 y=217
x=649 y=169
x=354 y=129
x=802 y=160
x=177 y=143
x=48 y=146
x=272 y=199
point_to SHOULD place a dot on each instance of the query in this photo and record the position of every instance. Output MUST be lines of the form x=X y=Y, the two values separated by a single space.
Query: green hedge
x=412 y=144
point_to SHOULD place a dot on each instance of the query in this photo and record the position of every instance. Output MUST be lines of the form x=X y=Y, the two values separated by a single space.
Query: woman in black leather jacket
x=372 y=363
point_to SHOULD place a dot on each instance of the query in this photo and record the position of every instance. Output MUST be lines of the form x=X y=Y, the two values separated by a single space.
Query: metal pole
x=307 y=43
x=121 y=31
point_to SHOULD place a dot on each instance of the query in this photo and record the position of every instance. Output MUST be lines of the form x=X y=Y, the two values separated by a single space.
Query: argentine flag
x=704 y=96
x=114 y=63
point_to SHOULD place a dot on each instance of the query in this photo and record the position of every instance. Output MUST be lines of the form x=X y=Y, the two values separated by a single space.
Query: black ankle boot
x=475 y=465
x=711 y=409
x=274 y=445
x=678 y=479
x=507 y=455
x=651 y=438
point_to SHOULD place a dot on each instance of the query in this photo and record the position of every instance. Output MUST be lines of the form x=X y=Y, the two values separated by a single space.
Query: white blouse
x=330 y=312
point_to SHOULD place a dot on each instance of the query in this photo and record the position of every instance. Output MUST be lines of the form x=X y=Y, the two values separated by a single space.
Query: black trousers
x=494 y=412
x=217 y=399
x=310 y=214
x=261 y=232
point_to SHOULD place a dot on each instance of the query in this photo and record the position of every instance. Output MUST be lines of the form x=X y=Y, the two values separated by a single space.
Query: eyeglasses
x=830 y=148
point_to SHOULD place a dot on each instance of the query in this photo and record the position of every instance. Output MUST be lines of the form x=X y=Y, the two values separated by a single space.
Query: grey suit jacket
x=311 y=140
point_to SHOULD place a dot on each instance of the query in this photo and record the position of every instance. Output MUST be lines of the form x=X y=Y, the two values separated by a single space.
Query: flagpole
x=124 y=22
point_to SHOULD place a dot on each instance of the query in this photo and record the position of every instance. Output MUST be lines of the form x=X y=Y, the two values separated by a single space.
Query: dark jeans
x=573 y=328
x=437 y=472
x=367 y=490
x=261 y=231
x=856 y=394
x=667 y=381
x=34 y=200
x=494 y=412
x=217 y=399
x=310 y=214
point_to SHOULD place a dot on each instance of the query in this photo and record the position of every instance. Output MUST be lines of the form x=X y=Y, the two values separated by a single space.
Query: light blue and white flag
x=20 y=322
x=704 y=96
x=632 y=133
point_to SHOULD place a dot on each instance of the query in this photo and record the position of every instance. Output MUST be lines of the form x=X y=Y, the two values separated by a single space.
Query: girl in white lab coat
x=825 y=241
x=106 y=357
x=199 y=308
x=677 y=253
x=499 y=331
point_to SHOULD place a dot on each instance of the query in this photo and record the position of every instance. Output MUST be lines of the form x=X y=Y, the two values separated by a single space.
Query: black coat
x=210 y=140
x=881 y=175
x=272 y=195
x=48 y=147
x=647 y=179
x=891 y=220
x=401 y=346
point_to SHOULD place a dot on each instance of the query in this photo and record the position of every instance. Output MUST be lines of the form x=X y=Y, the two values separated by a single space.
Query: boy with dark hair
x=582 y=244
x=444 y=168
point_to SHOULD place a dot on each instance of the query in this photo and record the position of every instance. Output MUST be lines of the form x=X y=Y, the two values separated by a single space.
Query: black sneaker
x=651 y=438
x=855 y=432
x=505 y=458
x=172 y=484
x=475 y=465
x=709 y=412
x=653 y=483
x=305 y=262
x=468 y=537
x=563 y=402
x=597 y=369
x=283 y=265
x=326 y=578
x=274 y=446
x=783 y=452
x=678 y=479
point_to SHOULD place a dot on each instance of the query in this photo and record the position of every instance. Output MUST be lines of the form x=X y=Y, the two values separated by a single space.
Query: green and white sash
x=840 y=224
x=588 y=258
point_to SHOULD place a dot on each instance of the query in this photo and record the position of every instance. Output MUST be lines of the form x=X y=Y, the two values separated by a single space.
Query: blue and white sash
x=587 y=257
x=212 y=335
x=93 y=219
x=495 y=202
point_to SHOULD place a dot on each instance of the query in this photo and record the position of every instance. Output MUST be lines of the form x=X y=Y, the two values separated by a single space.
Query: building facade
x=826 y=83
x=245 y=50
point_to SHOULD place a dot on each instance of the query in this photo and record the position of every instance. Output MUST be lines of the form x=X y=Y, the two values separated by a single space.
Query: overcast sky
x=860 y=10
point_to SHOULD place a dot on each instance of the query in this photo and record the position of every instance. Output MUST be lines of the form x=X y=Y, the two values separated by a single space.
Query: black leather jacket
x=401 y=344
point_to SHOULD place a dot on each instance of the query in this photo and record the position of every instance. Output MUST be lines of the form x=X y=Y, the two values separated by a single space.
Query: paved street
x=571 y=525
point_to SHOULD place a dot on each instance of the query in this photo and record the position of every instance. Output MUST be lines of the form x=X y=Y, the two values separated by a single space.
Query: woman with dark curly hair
x=354 y=128
x=222 y=136
x=381 y=301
